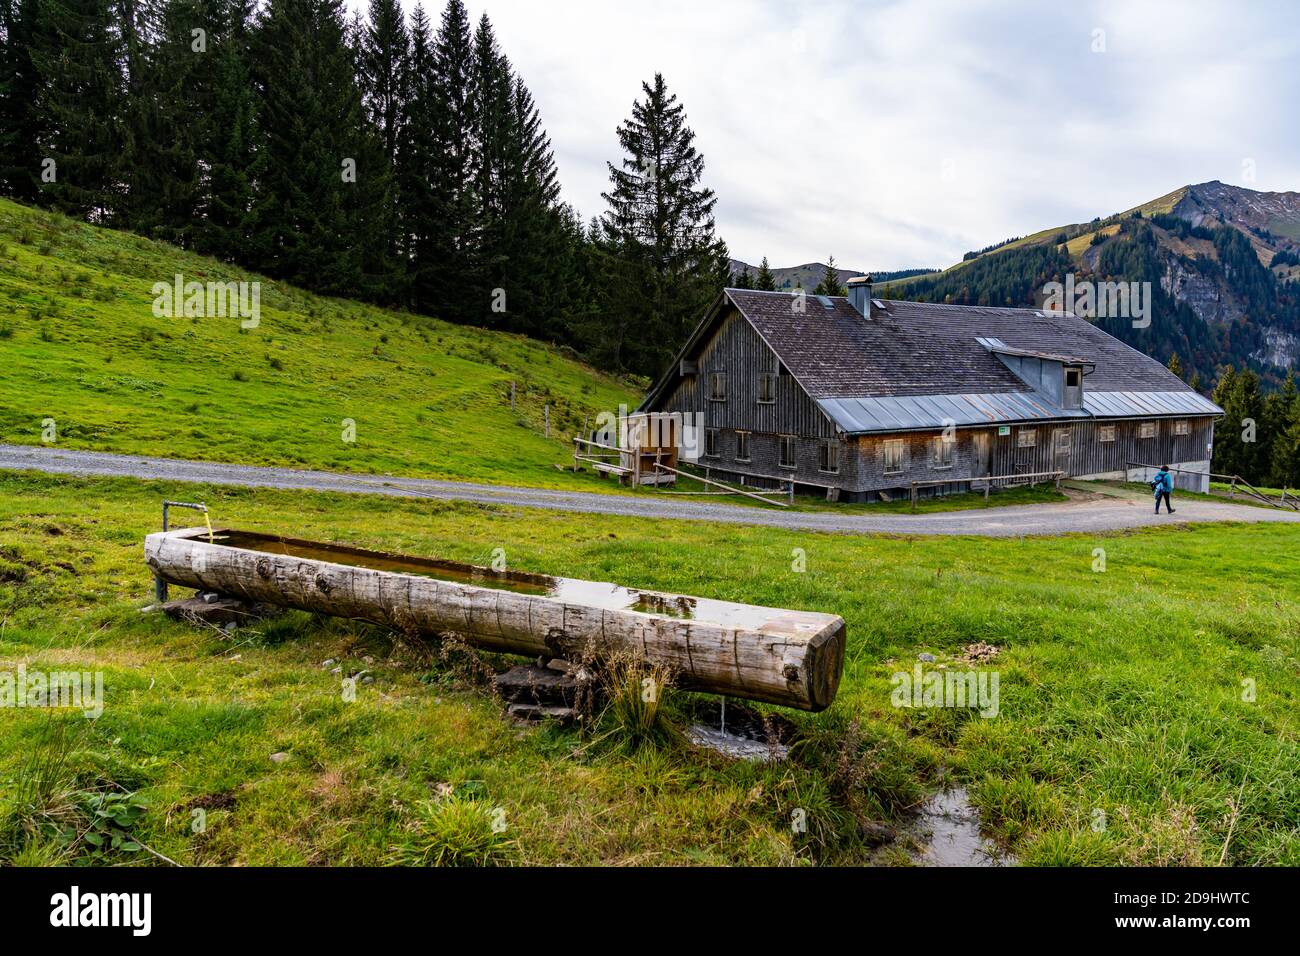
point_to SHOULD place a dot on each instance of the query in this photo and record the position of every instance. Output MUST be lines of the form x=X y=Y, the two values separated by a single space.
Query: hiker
x=1163 y=483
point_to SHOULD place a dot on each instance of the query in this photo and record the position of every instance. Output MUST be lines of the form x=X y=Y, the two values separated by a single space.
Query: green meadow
x=1148 y=699
x=319 y=383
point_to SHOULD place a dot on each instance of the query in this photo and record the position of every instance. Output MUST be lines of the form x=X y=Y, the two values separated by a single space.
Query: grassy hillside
x=1124 y=733
x=80 y=345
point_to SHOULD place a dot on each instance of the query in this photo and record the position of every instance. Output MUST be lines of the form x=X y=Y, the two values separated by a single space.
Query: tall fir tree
x=77 y=47
x=22 y=122
x=232 y=138
x=765 y=281
x=830 y=281
x=451 y=266
x=661 y=252
x=313 y=191
x=417 y=166
x=383 y=60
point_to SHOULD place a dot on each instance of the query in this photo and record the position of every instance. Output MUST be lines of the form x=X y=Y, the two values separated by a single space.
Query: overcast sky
x=901 y=134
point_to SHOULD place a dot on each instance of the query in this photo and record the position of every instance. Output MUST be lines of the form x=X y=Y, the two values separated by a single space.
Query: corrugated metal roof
x=911 y=412
x=1146 y=404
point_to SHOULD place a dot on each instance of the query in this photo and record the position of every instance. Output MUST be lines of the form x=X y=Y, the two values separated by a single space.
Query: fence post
x=512 y=397
x=546 y=412
x=914 y=497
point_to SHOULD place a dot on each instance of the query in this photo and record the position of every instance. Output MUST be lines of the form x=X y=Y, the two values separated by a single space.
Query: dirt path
x=1083 y=513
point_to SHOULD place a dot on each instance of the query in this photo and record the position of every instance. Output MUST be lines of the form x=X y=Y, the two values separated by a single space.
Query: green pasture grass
x=1149 y=686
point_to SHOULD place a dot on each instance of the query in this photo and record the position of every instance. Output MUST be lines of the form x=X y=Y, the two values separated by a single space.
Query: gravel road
x=1086 y=513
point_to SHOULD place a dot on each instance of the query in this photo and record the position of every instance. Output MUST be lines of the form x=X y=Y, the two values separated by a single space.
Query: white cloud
x=898 y=134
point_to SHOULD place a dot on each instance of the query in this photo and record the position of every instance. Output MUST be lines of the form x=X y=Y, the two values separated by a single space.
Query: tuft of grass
x=639 y=710
x=457 y=831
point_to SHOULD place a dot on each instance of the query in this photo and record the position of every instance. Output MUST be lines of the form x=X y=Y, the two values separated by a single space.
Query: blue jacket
x=1163 y=481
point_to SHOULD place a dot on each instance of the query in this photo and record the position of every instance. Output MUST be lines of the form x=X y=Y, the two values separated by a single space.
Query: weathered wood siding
x=1083 y=452
x=737 y=350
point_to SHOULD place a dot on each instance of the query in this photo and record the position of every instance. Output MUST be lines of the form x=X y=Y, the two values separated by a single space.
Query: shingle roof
x=922 y=348
x=923 y=365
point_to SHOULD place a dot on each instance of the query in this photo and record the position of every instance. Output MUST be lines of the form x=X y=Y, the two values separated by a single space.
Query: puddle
x=597 y=594
x=947 y=831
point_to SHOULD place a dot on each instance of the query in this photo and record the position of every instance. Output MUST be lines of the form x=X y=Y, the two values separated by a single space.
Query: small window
x=1073 y=377
x=1062 y=440
x=941 y=447
x=893 y=455
x=711 y=442
x=787 y=450
x=717 y=386
x=766 y=388
x=1182 y=427
x=1147 y=430
x=1105 y=433
x=742 y=446
x=1027 y=438
x=830 y=456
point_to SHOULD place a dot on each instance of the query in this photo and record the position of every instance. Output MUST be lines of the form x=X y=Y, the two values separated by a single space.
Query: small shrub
x=238 y=376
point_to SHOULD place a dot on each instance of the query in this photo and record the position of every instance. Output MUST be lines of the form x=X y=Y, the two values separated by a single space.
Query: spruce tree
x=1175 y=366
x=830 y=282
x=417 y=151
x=22 y=122
x=766 y=281
x=450 y=265
x=316 y=185
x=745 y=280
x=77 y=48
x=661 y=252
x=383 y=61
x=232 y=140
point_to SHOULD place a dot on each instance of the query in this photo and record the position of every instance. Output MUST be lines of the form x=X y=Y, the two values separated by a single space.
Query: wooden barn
x=863 y=398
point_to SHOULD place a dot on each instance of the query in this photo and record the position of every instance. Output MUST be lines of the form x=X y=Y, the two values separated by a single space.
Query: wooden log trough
x=791 y=658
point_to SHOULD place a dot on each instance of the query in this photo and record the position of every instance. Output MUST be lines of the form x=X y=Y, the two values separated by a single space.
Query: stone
x=927 y=658
x=538 y=712
x=280 y=757
x=529 y=684
x=876 y=834
x=219 y=612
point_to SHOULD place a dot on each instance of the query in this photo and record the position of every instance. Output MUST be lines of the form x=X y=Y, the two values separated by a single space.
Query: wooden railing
x=1028 y=478
x=598 y=456
x=1235 y=482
